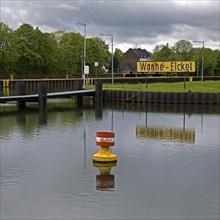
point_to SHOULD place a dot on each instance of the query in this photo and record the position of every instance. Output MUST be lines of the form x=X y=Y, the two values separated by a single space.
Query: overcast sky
x=133 y=23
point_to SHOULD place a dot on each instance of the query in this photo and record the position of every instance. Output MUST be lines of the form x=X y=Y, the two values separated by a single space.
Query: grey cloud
x=127 y=20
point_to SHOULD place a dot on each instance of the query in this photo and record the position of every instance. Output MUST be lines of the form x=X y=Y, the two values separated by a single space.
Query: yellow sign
x=169 y=66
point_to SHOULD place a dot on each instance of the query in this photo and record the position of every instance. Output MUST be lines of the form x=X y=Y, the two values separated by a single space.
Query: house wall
x=131 y=59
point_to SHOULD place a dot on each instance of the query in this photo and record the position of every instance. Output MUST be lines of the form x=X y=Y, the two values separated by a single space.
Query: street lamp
x=201 y=42
x=111 y=35
x=84 y=54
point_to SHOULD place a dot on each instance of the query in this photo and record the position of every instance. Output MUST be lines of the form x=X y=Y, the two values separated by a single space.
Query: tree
x=27 y=50
x=72 y=46
x=118 y=60
x=162 y=53
x=38 y=52
x=210 y=62
x=97 y=51
x=51 y=55
x=217 y=68
x=183 y=50
x=8 y=49
x=29 y=58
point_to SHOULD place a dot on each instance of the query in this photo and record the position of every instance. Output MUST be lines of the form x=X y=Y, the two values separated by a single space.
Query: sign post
x=86 y=72
x=96 y=64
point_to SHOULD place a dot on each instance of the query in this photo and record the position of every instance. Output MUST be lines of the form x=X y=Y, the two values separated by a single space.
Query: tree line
x=27 y=50
x=183 y=50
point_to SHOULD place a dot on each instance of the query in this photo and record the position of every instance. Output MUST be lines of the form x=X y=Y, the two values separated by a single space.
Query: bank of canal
x=161 y=97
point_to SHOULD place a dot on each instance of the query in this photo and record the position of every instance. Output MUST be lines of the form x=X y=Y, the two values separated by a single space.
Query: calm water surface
x=168 y=162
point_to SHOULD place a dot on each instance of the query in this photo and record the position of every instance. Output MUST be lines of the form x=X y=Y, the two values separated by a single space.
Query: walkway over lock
x=42 y=95
x=35 y=97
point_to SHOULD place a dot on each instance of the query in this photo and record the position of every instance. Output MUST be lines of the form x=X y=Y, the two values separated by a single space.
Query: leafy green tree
x=59 y=53
x=8 y=49
x=51 y=55
x=28 y=57
x=211 y=61
x=27 y=50
x=118 y=60
x=197 y=56
x=217 y=68
x=72 y=46
x=38 y=52
x=183 y=50
x=162 y=53
x=97 y=51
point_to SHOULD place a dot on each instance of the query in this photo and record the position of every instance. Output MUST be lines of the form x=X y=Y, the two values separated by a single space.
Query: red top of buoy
x=104 y=139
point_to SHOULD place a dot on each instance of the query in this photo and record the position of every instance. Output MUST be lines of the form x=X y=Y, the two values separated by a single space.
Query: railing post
x=20 y=90
x=42 y=94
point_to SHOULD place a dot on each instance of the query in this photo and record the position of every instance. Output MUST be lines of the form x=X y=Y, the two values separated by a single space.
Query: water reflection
x=166 y=133
x=42 y=112
x=175 y=134
x=164 y=108
x=46 y=171
x=105 y=181
x=6 y=91
x=21 y=118
x=98 y=110
x=84 y=139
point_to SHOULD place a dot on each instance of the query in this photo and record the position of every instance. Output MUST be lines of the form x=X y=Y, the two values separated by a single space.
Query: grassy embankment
x=197 y=86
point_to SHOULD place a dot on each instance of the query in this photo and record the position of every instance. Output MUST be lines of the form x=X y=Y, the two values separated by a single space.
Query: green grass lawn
x=197 y=86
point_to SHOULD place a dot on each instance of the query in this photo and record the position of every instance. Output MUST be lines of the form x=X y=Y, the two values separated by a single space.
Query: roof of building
x=141 y=52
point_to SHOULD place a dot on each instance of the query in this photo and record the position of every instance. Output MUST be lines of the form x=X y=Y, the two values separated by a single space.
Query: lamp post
x=201 y=42
x=111 y=35
x=84 y=54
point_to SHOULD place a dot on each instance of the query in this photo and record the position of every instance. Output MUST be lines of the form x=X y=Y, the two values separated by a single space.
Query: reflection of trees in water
x=34 y=117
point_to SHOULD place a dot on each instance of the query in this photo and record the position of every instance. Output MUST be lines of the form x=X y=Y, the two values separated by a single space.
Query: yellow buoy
x=105 y=141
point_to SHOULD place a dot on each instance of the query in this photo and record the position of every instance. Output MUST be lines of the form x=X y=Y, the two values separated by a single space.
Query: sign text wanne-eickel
x=169 y=66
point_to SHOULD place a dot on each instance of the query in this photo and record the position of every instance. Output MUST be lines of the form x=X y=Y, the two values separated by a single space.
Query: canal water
x=167 y=168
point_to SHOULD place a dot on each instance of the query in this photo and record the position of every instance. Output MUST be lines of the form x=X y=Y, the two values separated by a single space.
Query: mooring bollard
x=21 y=90
x=105 y=141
